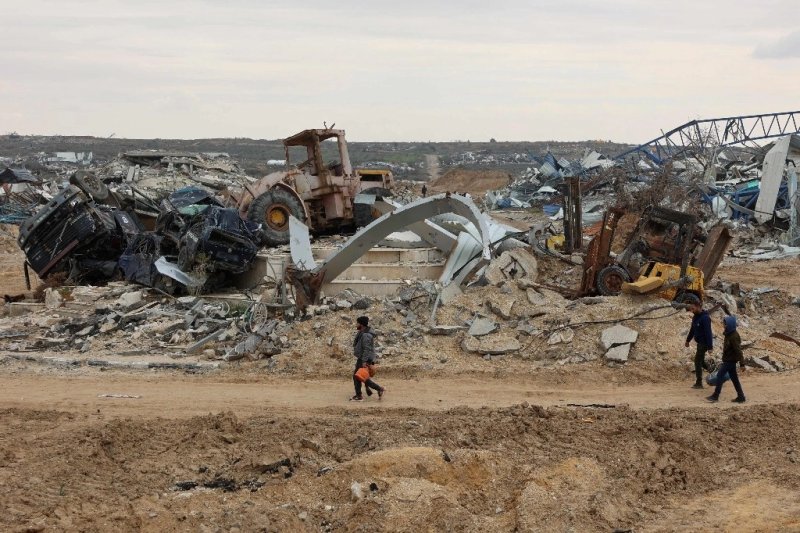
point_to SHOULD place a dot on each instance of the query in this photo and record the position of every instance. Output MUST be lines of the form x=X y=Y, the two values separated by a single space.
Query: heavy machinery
x=667 y=253
x=320 y=194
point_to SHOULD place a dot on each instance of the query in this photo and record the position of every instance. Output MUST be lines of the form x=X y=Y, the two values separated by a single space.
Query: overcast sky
x=401 y=70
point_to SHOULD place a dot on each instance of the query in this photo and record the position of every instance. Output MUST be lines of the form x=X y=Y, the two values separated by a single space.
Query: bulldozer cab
x=312 y=160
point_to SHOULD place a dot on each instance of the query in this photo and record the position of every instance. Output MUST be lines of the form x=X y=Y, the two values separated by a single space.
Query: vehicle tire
x=685 y=297
x=90 y=184
x=363 y=214
x=272 y=210
x=610 y=280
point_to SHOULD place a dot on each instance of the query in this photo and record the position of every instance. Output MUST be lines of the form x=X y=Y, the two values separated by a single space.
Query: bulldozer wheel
x=272 y=209
x=610 y=280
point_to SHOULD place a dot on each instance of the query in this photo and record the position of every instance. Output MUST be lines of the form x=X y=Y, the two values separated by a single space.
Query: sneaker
x=357 y=399
x=697 y=386
x=381 y=392
x=713 y=398
x=739 y=399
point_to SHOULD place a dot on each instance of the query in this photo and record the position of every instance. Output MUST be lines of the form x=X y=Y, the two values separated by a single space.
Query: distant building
x=78 y=158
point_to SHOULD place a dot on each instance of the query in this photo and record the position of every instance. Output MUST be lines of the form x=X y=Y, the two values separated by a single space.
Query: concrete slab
x=619 y=354
x=617 y=335
x=482 y=326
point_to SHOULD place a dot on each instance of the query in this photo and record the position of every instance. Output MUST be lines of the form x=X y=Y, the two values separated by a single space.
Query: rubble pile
x=126 y=251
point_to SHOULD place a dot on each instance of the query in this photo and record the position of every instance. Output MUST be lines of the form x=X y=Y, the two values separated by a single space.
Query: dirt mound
x=517 y=468
x=567 y=495
x=475 y=182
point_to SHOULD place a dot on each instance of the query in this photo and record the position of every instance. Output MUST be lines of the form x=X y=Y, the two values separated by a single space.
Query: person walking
x=731 y=354
x=364 y=352
x=700 y=332
x=424 y=190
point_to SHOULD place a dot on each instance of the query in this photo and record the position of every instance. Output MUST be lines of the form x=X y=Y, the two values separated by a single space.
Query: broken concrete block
x=188 y=301
x=129 y=300
x=511 y=265
x=167 y=328
x=53 y=298
x=619 y=353
x=444 y=330
x=482 y=326
x=342 y=304
x=501 y=305
x=757 y=362
x=491 y=345
x=617 y=335
x=527 y=329
x=85 y=331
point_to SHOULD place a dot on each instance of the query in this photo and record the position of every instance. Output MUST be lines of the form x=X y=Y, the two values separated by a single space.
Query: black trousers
x=700 y=362
x=730 y=368
x=356 y=382
x=369 y=384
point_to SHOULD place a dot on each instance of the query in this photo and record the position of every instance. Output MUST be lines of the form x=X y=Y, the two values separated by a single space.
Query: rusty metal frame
x=598 y=254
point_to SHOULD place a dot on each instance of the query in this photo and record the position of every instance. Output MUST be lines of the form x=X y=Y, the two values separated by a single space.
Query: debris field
x=185 y=332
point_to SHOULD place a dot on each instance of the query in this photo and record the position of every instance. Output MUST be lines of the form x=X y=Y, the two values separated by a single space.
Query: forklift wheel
x=610 y=280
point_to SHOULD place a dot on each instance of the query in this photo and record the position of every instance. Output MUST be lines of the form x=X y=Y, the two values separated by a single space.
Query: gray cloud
x=386 y=70
x=787 y=46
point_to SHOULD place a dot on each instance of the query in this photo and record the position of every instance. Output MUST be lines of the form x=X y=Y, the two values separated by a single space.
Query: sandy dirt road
x=173 y=396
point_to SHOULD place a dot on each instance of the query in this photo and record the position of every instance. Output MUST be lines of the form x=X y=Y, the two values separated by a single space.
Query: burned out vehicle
x=197 y=242
x=73 y=234
x=667 y=253
x=200 y=230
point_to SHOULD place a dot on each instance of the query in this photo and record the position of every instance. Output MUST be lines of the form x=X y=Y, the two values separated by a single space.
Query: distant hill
x=409 y=158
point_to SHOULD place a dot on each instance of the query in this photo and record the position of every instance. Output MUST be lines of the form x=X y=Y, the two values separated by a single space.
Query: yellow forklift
x=667 y=253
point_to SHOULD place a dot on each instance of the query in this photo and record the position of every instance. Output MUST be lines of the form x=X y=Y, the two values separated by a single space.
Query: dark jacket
x=732 y=348
x=701 y=330
x=364 y=345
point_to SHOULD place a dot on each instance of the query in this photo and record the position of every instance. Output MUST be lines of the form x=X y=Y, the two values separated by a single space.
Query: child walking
x=731 y=354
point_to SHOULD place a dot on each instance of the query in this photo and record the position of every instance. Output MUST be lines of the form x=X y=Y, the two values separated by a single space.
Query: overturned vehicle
x=73 y=234
x=196 y=244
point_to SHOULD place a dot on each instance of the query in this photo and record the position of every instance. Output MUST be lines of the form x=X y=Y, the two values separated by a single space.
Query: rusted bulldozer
x=320 y=194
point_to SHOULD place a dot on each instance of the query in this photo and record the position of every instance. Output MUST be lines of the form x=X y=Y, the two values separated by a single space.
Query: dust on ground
x=352 y=468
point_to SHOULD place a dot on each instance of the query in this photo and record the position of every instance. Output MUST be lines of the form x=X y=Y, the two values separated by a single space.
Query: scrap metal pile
x=721 y=166
x=184 y=223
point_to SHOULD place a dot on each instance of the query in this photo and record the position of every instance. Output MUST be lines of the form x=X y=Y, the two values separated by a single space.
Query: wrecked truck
x=73 y=234
x=194 y=232
x=94 y=242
